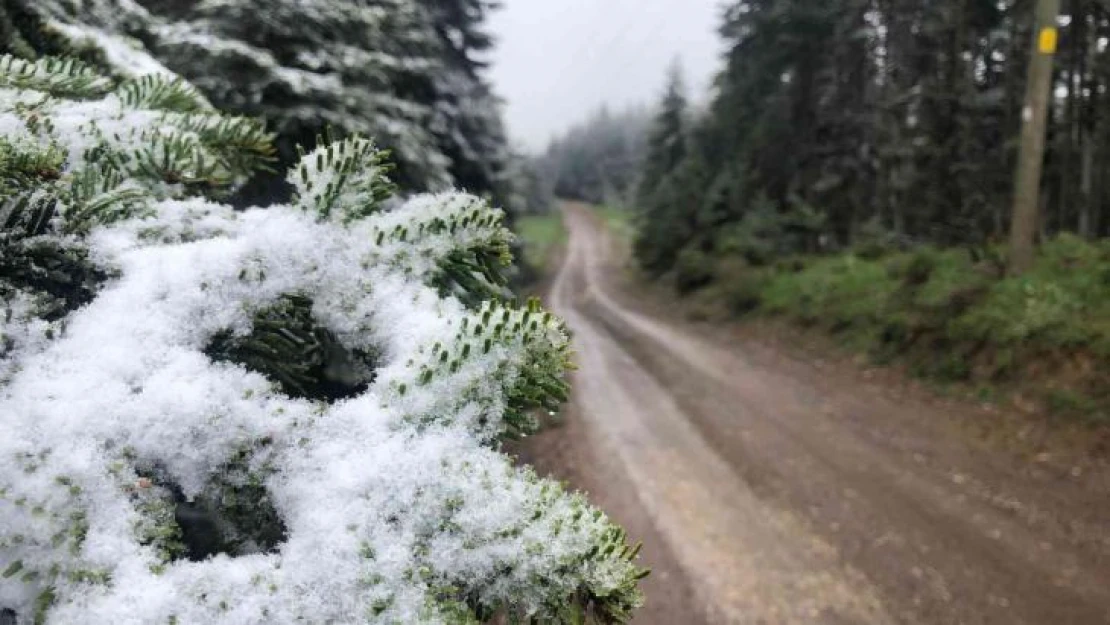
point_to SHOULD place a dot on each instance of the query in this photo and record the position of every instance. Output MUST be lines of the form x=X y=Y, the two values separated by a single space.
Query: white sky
x=558 y=60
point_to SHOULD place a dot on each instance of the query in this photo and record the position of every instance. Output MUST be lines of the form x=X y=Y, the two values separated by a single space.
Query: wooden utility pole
x=1034 y=117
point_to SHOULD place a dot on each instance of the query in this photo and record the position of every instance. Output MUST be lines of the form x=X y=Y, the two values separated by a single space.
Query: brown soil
x=773 y=489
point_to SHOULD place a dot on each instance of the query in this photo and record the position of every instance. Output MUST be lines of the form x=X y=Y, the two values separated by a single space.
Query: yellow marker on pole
x=1038 y=97
x=1049 y=39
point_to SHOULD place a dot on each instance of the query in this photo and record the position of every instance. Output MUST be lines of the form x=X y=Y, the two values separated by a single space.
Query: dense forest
x=858 y=117
x=851 y=118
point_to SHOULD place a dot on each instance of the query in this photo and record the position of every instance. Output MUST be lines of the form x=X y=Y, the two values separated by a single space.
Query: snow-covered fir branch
x=289 y=414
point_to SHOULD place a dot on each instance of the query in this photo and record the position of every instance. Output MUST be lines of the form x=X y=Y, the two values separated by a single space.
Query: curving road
x=768 y=492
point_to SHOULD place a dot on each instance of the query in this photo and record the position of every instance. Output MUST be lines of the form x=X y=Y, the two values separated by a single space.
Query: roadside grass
x=948 y=318
x=619 y=221
x=541 y=237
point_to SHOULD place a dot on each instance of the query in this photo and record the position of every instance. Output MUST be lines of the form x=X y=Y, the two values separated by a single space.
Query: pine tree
x=289 y=414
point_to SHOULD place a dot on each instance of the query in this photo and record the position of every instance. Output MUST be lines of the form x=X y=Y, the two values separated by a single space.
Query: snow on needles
x=396 y=504
x=364 y=492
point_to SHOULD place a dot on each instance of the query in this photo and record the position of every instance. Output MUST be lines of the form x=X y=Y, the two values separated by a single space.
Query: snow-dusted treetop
x=281 y=415
x=398 y=70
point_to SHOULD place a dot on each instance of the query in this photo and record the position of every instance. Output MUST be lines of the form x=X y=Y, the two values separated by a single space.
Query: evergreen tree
x=467 y=114
x=364 y=66
x=668 y=222
x=288 y=414
x=666 y=141
x=1031 y=155
x=666 y=197
x=405 y=71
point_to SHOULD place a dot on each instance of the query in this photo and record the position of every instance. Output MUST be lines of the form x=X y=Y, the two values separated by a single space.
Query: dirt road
x=767 y=492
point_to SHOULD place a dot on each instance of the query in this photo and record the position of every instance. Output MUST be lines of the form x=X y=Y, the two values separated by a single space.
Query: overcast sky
x=558 y=60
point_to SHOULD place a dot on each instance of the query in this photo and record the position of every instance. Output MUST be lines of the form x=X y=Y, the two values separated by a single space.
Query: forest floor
x=769 y=486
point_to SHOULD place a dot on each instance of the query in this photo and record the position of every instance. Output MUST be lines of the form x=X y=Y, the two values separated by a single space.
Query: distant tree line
x=597 y=161
x=838 y=123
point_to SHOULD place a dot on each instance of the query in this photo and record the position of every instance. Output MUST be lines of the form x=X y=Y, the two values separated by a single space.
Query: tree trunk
x=1087 y=124
x=1031 y=155
x=1086 y=189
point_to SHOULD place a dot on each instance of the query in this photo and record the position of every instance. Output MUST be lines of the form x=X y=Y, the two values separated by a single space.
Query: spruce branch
x=38 y=200
x=27 y=214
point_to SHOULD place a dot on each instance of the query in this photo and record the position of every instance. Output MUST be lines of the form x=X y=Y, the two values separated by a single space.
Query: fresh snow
x=126 y=56
x=374 y=473
x=394 y=501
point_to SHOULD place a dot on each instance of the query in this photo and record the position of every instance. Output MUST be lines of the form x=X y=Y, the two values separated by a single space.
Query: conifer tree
x=660 y=197
x=670 y=225
x=278 y=415
x=467 y=114
x=666 y=142
x=900 y=118
x=408 y=72
x=366 y=66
